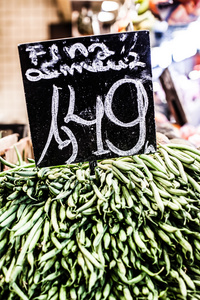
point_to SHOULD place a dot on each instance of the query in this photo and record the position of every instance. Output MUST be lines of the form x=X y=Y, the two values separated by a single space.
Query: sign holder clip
x=93 y=165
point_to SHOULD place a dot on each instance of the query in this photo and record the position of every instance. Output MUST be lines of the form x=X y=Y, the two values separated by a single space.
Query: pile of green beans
x=128 y=232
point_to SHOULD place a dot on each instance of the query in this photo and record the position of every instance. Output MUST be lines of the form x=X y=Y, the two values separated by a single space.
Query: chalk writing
x=142 y=109
x=95 y=64
x=100 y=108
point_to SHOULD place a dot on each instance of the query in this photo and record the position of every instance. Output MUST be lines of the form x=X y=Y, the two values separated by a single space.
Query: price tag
x=89 y=98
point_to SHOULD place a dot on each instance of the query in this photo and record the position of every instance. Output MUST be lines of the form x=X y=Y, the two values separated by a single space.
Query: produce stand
x=8 y=129
x=104 y=211
x=8 y=146
x=7 y=142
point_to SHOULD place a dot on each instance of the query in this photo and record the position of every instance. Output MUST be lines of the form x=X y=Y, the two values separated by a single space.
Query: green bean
x=177 y=154
x=18 y=291
x=30 y=181
x=122 y=235
x=138 y=241
x=11 y=187
x=189 y=282
x=20 y=210
x=157 y=197
x=112 y=264
x=146 y=269
x=23 y=229
x=149 y=233
x=8 y=273
x=182 y=200
x=195 y=185
x=184 y=147
x=5 y=207
x=164 y=182
x=169 y=163
x=49 y=263
x=120 y=175
x=35 y=240
x=116 y=187
x=173 y=206
x=127 y=293
x=52 y=276
x=149 y=283
x=165 y=176
x=167 y=261
x=97 y=192
x=194 y=269
x=145 y=291
x=52 y=291
x=182 y=286
x=70 y=202
x=132 y=281
x=87 y=205
x=136 y=290
x=31 y=261
x=13 y=167
x=6 y=163
x=54 y=220
x=18 y=267
x=81 y=262
x=46 y=231
x=99 y=237
x=62 y=293
x=119 y=164
x=153 y=163
x=89 y=211
x=25 y=173
x=56 y=185
x=92 y=280
x=141 y=163
x=9 y=220
x=167 y=227
x=177 y=192
x=27 y=214
x=195 y=156
x=181 y=169
x=54 y=191
x=196 y=243
x=106 y=240
x=184 y=243
x=8 y=212
x=111 y=297
x=3 y=231
x=165 y=237
x=75 y=193
x=196 y=282
x=89 y=256
x=54 y=297
x=130 y=168
x=127 y=196
x=121 y=266
x=162 y=191
x=193 y=167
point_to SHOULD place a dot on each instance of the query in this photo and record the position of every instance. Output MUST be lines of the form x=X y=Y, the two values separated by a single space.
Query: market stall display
x=130 y=231
x=105 y=211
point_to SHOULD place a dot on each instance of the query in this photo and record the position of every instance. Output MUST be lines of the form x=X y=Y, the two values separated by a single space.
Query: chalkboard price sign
x=89 y=98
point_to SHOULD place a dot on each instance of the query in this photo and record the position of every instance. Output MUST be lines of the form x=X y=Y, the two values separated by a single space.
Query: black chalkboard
x=89 y=98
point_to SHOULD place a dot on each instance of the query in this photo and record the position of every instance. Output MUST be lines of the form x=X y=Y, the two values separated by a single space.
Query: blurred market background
x=175 y=47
